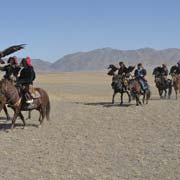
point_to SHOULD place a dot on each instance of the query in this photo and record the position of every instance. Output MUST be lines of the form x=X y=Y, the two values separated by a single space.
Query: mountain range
x=99 y=59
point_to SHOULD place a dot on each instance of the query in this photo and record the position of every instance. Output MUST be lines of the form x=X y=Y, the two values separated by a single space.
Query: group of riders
x=140 y=74
x=21 y=75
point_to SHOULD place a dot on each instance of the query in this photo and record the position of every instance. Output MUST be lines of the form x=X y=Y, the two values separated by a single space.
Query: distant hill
x=99 y=59
x=41 y=65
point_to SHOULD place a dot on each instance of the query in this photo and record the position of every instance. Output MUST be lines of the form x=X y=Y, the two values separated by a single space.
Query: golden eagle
x=11 y=50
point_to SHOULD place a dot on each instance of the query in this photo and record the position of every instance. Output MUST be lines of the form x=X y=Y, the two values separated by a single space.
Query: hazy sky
x=54 y=28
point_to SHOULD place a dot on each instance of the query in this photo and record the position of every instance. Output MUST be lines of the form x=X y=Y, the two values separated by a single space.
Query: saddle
x=34 y=93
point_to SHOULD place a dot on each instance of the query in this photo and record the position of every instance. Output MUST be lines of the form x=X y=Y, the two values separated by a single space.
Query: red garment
x=28 y=61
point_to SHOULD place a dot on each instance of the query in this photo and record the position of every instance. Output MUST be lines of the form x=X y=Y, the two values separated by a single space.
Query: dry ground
x=90 y=139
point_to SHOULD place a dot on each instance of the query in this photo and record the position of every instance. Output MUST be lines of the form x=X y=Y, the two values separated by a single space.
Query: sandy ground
x=88 y=138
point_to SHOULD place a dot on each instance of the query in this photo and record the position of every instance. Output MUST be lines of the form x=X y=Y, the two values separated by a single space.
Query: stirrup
x=30 y=101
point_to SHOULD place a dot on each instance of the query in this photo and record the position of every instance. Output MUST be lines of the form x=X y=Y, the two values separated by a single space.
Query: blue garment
x=139 y=75
x=166 y=72
x=144 y=84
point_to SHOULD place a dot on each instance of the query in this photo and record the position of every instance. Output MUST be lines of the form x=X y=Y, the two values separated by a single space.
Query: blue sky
x=54 y=28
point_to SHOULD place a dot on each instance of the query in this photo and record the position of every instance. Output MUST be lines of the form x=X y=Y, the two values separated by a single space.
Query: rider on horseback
x=165 y=70
x=122 y=73
x=11 y=69
x=165 y=73
x=122 y=69
x=178 y=65
x=140 y=74
x=26 y=78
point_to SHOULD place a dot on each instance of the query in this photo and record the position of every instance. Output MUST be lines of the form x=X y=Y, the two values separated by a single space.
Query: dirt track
x=90 y=139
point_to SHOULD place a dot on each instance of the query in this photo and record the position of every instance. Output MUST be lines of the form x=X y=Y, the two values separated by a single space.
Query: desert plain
x=88 y=138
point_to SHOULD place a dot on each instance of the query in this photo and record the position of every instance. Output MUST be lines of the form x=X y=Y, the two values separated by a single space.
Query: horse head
x=174 y=70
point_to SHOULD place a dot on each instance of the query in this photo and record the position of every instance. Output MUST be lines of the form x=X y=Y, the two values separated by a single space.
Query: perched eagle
x=129 y=69
x=112 y=68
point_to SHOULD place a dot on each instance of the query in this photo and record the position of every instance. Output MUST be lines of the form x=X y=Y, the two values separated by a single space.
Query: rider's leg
x=29 y=99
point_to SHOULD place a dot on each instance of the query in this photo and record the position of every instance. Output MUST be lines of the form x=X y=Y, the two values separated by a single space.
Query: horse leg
x=22 y=118
x=29 y=115
x=175 y=89
x=121 y=98
x=16 y=113
x=144 y=95
x=138 y=102
x=113 y=97
x=169 y=91
x=165 y=94
x=6 y=112
x=129 y=96
x=148 y=95
x=160 y=93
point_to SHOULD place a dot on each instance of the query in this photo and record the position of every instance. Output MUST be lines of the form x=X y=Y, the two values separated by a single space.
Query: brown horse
x=3 y=106
x=136 y=91
x=176 y=83
x=10 y=92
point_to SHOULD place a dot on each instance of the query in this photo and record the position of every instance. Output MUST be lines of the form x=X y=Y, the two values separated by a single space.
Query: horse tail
x=48 y=108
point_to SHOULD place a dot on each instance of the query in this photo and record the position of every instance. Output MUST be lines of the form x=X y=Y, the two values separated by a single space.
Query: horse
x=175 y=73
x=136 y=91
x=3 y=106
x=119 y=86
x=17 y=103
x=120 y=82
x=162 y=84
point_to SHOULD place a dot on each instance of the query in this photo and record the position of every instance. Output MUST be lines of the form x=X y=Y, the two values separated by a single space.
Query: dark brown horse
x=136 y=91
x=162 y=83
x=119 y=85
x=10 y=92
x=3 y=106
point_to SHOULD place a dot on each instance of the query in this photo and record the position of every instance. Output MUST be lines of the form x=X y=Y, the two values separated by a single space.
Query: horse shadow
x=162 y=99
x=6 y=125
x=104 y=104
